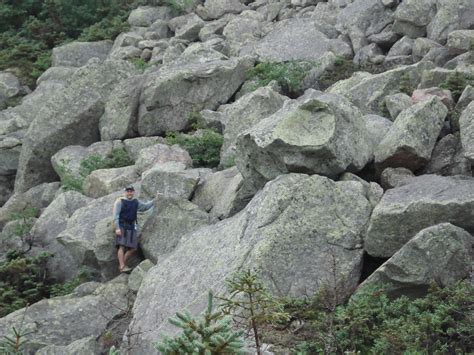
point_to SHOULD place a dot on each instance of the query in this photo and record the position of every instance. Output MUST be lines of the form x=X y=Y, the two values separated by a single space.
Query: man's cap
x=129 y=188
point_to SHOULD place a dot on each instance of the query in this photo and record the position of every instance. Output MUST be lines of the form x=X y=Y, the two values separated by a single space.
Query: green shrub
x=204 y=147
x=289 y=75
x=140 y=63
x=211 y=334
x=62 y=289
x=441 y=322
x=456 y=83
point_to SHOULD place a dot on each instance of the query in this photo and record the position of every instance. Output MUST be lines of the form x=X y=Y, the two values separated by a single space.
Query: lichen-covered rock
x=169 y=222
x=412 y=17
x=394 y=177
x=445 y=96
x=84 y=346
x=450 y=17
x=441 y=254
x=223 y=193
x=144 y=16
x=412 y=137
x=62 y=320
x=296 y=39
x=396 y=103
x=160 y=154
x=133 y=146
x=186 y=26
x=10 y=87
x=425 y=201
x=291 y=231
x=102 y=182
x=377 y=129
x=368 y=92
x=71 y=117
x=466 y=124
x=318 y=134
x=198 y=86
x=77 y=54
x=215 y=9
x=138 y=273
x=448 y=158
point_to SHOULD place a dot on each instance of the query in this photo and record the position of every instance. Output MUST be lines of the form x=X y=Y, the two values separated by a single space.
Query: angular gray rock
x=461 y=39
x=243 y=29
x=223 y=193
x=425 y=201
x=412 y=137
x=439 y=254
x=49 y=322
x=368 y=92
x=466 y=124
x=404 y=46
x=171 y=220
x=138 y=273
x=121 y=110
x=422 y=46
x=296 y=39
x=215 y=9
x=396 y=103
x=292 y=231
x=10 y=87
x=245 y=113
x=465 y=99
x=187 y=26
x=53 y=221
x=377 y=129
x=449 y=18
x=172 y=180
x=144 y=16
x=69 y=118
x=103 y=182
x=58 y=74
x=317 y=134
x=160 y=154
x=198 y=86
x=448 y=158
x=394 y=177
x=77 y=54
x=133 y=146
x=84 y=346
x=412 y=17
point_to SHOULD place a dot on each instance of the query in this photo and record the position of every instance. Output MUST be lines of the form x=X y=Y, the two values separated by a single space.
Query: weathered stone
x=160 y=154
x=214 y=28
x=38 y=197
x=461 y=39
x=146 y=15
x=300 y=137
x=422 y=46
x=449 y=18
x=138 y=273
x=437 y=76
x=245 y=113
x=126 y=53
x=71 y=117
x=448 y=158
x=244 y=29
x=425 y=201
x=323 y=65
x=77 y=54
x=198 y=86
x=441 y=254
x=445 y=96
x=84 y=346
x=187 y=26
x=105 y=181
x=133 y=146
x=368 y=92
x=48 y=226
x=157 y=31
x=223 y=193
x=296 y=39
x=368 y=54
x=396 y=103
x=10 y=88
x=465 y=99
x=48 y=322
x=58 y=74
x=215 y=9
x=394 y=177
x=412 y=137
x=466 y=124
x=170 y=221
x=386 y=38
x=292 y=231
x=417 y=13
x=120 y=114
x=377 y=129
x=373 y=191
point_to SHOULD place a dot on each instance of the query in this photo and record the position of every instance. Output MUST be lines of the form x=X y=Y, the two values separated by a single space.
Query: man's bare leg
x=121 y=257
x=128 y=254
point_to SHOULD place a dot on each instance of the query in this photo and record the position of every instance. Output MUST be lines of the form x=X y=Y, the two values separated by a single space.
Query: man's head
x=129 y=192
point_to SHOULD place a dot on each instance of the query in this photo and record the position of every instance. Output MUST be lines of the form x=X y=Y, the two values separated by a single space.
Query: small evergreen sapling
x=211 y=334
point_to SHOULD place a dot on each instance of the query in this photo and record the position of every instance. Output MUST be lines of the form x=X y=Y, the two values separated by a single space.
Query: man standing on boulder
x=125 y=224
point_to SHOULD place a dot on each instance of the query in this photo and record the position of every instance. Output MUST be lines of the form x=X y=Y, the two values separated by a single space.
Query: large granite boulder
x=369 y=92
x=77 y=54
x=245 y=113
x=466 y=123
x=161 y=154
x=172 y=93
x=145 y=16
x=53 y=221
x=412 y=17
x=62 y=320
x=84 y=346
x=215 y=9
x=412 y=137
x=102 y=182
x=292 y=232
x=439 y=254
x=172 y=219
x=424 y=201
x=223 y=193
x=69 y=118
x=393 y=177
x=296 y=39
x=10 y=87
x=396 y=103
x=450 y=17
x=121 y=109
x=377 y=129
x=316 y=134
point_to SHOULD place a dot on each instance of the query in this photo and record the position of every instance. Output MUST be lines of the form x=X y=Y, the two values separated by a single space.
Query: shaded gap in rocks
x=369 y=265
